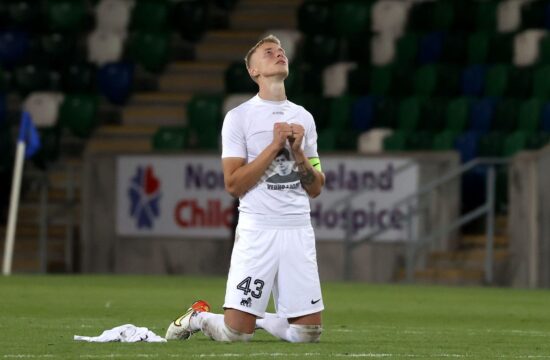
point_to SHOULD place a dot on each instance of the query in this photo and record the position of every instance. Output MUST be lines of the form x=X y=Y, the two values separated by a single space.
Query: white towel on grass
x=125 y=333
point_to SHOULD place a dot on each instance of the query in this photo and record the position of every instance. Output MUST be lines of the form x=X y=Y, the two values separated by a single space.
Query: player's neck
x=272 y=90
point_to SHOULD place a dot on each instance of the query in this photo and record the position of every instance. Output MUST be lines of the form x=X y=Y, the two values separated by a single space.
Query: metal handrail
x=413 y=244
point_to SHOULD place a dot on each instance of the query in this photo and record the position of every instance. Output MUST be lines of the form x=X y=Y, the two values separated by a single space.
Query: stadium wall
x=529 y=219
x=103 y=251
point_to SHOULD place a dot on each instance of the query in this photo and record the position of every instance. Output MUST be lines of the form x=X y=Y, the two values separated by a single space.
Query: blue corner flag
x=29 y=135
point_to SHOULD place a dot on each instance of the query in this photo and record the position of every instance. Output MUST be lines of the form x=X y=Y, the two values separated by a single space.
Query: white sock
x=281 y=328
x=274 y=325
x=213 y=326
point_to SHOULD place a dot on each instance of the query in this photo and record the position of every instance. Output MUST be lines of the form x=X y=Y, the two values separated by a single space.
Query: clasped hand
x=294 y=133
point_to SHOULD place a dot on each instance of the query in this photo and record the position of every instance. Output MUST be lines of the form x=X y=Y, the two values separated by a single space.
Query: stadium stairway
x=163 y=100
x=465 y=265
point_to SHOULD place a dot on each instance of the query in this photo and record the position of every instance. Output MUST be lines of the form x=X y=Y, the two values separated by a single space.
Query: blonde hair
x=267 y=39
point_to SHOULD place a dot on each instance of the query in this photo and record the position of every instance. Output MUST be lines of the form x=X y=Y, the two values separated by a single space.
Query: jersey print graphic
x=281 y=174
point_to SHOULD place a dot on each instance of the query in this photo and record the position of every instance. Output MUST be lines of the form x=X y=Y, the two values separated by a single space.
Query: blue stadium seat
x=466 y=145
x=481 y=115
x=362 y=113
x=115 y=81
x=14 y=46
x=473 y=80
x=545 y=117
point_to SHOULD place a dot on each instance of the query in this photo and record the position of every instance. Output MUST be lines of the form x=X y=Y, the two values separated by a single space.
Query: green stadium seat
x=350 y=17
x=444 y=140
x=408 y=117
x=79 y=78
x=443 y=15
x=326 y=140
x=237 y=79
x=520 y=82
x=340 y=113
x=170 y=138
x=537 y=140
x=419 y=141
x=458 y=112
x=485 y=15
x=514 y=143
x=478 y=48
x=544 y=51
x=380 y=80
x=321 y=49
x=79 y=114
x=496 y=80
x=314 y=17
x=541 y=82
x=425 y=80
x=150 y=49
x=506 y=115
x=204 y=113
x=150 y=15
x=433 y=114
x=66 y=15
x=491 y=144
x=530 y=115
x=396 y=141
x=406 y=49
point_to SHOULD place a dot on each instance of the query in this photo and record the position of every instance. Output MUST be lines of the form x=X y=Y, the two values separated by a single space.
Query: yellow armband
x=316 y=163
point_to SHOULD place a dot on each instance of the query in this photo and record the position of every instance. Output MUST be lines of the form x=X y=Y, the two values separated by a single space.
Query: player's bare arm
x=312 y=180
x=240 y=177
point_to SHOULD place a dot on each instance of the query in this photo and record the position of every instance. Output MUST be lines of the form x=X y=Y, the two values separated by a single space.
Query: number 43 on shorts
x=245 y=287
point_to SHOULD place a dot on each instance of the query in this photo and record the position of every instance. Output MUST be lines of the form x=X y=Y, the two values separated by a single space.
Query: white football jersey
x=247 y=130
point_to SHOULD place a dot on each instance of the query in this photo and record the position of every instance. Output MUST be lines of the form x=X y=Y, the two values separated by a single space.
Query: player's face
x=270 y=60
x=283 y=165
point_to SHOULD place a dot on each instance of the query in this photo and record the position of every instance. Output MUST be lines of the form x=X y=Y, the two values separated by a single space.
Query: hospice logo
x=144 y=194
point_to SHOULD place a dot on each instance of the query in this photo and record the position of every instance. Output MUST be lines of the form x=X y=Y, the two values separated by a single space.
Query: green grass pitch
x=40 y=314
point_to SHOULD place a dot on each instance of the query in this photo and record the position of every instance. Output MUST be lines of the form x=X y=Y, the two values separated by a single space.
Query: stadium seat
x=457 y=115
x=386 y=113
x=349 y=17
x=520 y=82
x=204 y=116
x=150 y=16
x=501 y=48
x=43 y=107
x=397 y=141
x=380 y=81
x=419 y=141
x=506 y=115
x=389 y=17
x=113 y=16
x=455 y=47
x=421 y=16
x=170 y=138
x=514 y=143
x=433 y=114
x=150 y=49
x=382 y=50
x=66 y=15
x=312 y=78
x=14 y=46
x=115 y=81
x=406 y=49
x=191 y=18
x=31 y=78
x=478 y=48
x=444 y=140
x=409 y=112
x=335 y=78
x=491 y=144
x=509 y=15
x=78 y=113
x=532 y=14
x=362 y=113
x=530 y=115
x=526 y=47
x=59 y=49
x=314 y=17
x=481 y=115
x=358 y=80
x=294 y=83
x=321 y=49
x=485 y=15
x=317 y=106
x=443 y=16
x=541 y=82
x=466 y=145
x=430 y=48
x=448 y=80
x=425 y=80
x=473 y=80
x=326 y=140
x=24 y=15
x=237 y=79
x=372 y=141
x=104 y=47
x=340 y=112
x=537 y=140
x=545 y=117
x=79 y=77
x=496 y=80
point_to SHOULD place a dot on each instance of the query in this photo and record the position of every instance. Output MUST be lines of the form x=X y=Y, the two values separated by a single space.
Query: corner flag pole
x=14 y=206
x=28 y=143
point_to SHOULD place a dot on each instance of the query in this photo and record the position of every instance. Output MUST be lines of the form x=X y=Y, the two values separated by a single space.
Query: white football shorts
x=274 y=255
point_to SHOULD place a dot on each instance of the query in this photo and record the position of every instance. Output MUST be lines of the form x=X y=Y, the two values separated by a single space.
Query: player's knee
x=236 y=336
x=305 y=333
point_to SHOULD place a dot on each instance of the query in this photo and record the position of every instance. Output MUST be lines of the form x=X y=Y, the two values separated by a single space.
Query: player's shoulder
x=242 y=108
x=301 y=111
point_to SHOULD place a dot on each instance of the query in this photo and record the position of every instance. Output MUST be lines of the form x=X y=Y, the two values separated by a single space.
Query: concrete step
x=208 y=83
x=258 y=18
x=479 y=240
x=32 y=232
x=154 y=115
x=465 y=259
x=194 y=67
x=246 y=37
x=26 y=255
x=100 y=145
x=161 y=98
x=56 y=196
x=127 y=131
x=58 y=214
x=451 y=276
x=228 y=52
